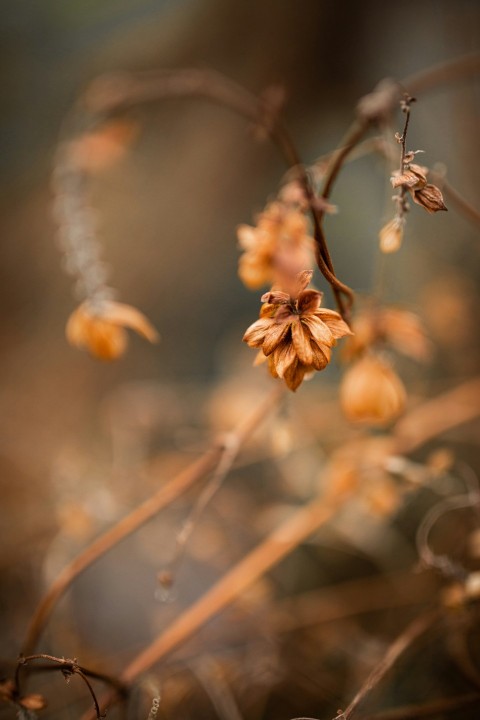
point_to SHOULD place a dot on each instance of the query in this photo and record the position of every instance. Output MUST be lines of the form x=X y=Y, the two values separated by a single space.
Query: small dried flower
x=100 y=328
x=391 y=235
x=414 y=179
x=414 y=176
x=277 y=248
x=371 y=392
x=294 y=333
x=401 y=329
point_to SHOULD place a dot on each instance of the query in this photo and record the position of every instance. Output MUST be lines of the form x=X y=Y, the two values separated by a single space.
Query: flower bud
x=371 y=392
x=391 y=235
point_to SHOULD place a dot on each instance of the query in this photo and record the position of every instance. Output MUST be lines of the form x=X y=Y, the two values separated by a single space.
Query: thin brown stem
x=232 y=444
x=229 y=454
x=412 y=633
x=378 y=145
x=70 y=667
x=352 y=139
x=140 y=515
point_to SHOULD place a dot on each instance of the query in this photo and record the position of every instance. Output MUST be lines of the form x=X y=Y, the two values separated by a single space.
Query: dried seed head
x=391 y=235
x=371 y=392
x=430 y=198
x=414 y=176
x=414 y=179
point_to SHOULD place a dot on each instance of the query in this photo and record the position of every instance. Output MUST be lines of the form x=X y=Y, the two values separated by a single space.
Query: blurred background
x=82 y=441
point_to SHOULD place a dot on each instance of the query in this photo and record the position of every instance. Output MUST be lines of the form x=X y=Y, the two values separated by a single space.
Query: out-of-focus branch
x=141 y=514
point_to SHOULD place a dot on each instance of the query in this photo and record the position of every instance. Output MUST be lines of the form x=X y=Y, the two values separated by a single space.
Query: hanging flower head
x=100 y=328
x=277 y=248
x=293 y=332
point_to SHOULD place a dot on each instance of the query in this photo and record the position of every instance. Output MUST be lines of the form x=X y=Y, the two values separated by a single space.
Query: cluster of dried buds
x=371 y=391
x=414 y=179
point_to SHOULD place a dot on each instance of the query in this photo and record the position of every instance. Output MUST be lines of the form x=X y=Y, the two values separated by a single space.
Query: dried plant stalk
x=144 y=512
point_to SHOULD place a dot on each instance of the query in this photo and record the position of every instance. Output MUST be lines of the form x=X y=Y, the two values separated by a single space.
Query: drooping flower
x=277 y=248
x=100 y=328
x=371 y=392
x=399 y=329
x=293 y=332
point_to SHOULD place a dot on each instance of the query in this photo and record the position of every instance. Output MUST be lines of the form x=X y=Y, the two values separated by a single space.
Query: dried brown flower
x=414 y=176
x=371 y=392
x=414 y=179
x=100 y=328
x=401 y=329
x=294 y=333
x=277 y=248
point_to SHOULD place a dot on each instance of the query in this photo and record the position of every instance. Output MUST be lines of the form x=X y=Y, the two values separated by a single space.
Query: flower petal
x=337 y=326
x=271 y=367
x=128 y=316
x=294 y=375
x=105 y=340
x=76 y=329
x=283 y=357
x=301 y=340
x=255 y=334
x=247 y=237
x=276 y=297
x=302 y=280
x=309 y=301
x=321 y=355
x=274 y=336
x=318 y=329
